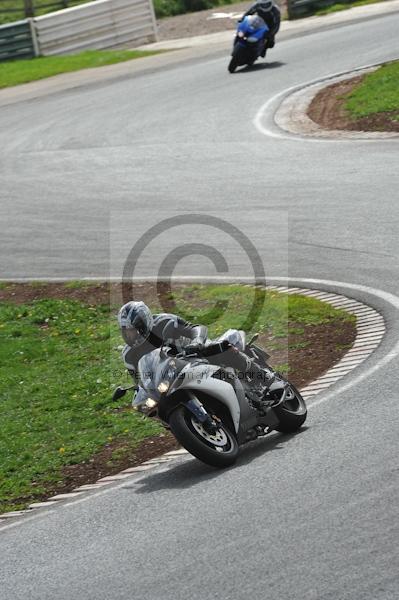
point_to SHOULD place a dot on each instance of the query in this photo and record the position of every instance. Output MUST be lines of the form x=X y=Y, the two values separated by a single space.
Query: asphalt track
x=85 y=173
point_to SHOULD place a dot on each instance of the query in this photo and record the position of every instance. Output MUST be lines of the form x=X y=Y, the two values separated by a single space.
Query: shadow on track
x=193 y=472
x=261 y=66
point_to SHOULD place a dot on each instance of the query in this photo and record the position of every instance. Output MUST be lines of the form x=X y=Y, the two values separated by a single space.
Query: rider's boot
x=261 y=376
x=260 y=380
x=265 y=47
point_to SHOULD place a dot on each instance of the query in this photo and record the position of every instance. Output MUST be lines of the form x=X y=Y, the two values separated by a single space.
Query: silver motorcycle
x=210 y=409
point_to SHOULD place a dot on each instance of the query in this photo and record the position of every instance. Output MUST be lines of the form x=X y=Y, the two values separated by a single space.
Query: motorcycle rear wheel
x=218 y=450
x=291 y=413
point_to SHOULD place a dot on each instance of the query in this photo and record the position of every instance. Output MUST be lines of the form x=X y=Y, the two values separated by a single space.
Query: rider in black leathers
x=270 y=13
x=144 y=332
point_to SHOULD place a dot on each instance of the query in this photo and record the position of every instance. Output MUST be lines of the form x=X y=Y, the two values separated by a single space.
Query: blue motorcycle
x=250 y=42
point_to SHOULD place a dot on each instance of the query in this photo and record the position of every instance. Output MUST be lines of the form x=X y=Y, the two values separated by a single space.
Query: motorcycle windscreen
x=255 y=23
x=235 y=337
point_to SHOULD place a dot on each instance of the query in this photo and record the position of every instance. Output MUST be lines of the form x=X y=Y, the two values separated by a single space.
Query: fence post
x=28 y=5
x=154 y=20
x=35 y=41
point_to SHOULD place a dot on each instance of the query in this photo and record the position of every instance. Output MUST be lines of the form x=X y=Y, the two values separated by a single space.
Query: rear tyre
x=218 y=450
x=233 y=64
x=292 y=412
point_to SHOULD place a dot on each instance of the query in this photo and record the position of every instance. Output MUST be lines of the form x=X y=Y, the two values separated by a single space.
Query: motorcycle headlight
x=163 y=387
x=252 y=39
x=241 y=34
x=150 y=403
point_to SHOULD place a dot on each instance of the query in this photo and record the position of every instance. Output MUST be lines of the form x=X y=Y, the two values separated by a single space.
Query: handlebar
x=210 y=350
x=216 y=348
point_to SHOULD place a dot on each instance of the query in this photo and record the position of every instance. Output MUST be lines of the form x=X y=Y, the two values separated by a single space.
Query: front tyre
x=218 y=450
x=233 y=64
x=292 y=412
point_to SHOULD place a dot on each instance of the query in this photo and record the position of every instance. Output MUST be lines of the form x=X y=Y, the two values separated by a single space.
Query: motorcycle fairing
x=199 y=378
x=195 y=376
x=252 y=26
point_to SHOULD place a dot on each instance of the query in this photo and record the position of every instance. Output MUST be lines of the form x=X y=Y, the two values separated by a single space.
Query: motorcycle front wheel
x=219 y=449
x=233 y=64
x=292 y=412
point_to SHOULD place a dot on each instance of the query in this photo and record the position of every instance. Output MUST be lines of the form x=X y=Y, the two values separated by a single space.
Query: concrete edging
x=370 y=325
x=291 y=116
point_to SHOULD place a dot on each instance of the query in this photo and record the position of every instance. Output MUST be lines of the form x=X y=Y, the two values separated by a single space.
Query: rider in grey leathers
x=143 y=332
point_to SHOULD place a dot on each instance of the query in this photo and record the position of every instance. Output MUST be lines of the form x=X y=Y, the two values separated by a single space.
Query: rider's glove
x=193 y=348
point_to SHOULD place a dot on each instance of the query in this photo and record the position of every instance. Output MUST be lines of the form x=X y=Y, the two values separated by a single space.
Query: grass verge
x=14 y=9
x=16 y=72
x=378 y=93
x=60 y=361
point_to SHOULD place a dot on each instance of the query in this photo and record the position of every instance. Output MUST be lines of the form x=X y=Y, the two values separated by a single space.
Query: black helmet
x=265 y=5
x=136 y=321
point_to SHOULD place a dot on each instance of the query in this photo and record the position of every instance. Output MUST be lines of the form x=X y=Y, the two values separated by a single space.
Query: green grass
x=18 y=8
x=57 y=374
x=277 y=311
x=59 y=363
x=378 y=92
x=78 y=284
x=343 y=6
x=16 y=72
